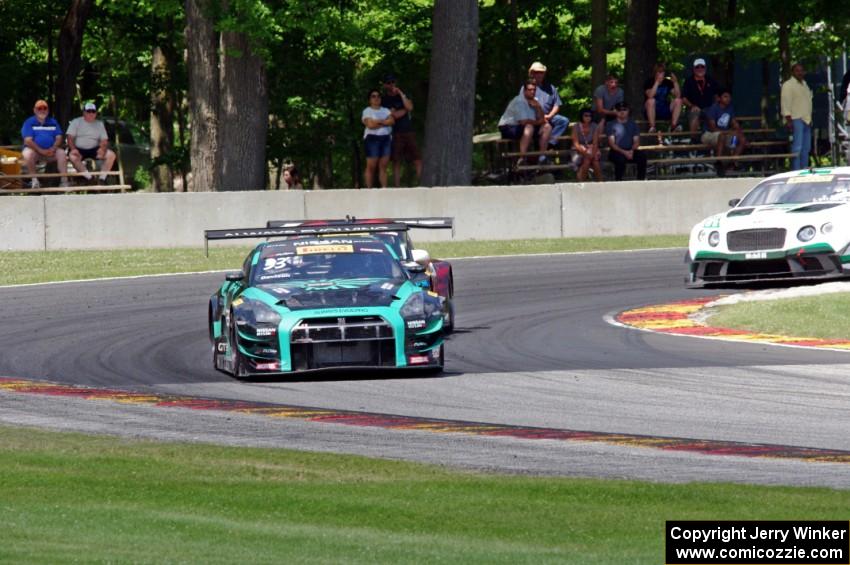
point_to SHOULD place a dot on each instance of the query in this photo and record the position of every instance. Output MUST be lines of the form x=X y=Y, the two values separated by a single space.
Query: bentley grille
x=755 y=240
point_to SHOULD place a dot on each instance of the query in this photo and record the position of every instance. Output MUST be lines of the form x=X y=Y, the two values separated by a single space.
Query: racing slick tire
x=436 y=370
x=238 y=363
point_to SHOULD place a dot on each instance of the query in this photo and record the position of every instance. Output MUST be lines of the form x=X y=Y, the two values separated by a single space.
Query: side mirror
x=235 y=276
x=414 y=267
x=421 y=256
x=734 y=202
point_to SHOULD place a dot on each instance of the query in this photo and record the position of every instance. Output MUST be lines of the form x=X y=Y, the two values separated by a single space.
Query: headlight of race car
x=701 y=236
x=714 y=238
x=826 y=228
x=418 y=307
x=807 y=233
x=253 y=312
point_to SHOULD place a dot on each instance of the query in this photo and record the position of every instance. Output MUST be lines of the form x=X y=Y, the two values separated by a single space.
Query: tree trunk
x=451 y=94
x=244 y=115
x=203 y=71
x=70 y=47
x=723 y=13
x=641 y=49
x=598 y=42
x=784 y=45
x=517 y=71
x=162 y=118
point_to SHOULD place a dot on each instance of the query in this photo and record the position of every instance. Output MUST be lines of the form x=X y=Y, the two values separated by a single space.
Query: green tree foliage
x=322 y=56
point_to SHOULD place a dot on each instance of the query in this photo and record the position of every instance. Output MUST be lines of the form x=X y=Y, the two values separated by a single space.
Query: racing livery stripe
x=679 y=318
x=410 y=423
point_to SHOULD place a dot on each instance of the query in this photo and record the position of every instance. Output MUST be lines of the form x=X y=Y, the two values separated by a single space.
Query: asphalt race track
x=532 y=350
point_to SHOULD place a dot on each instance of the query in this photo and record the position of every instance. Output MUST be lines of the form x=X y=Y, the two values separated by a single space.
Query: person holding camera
x=659 y=89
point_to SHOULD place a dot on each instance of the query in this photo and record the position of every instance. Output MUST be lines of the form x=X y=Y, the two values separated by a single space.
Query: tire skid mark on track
x=681 y=318
x=410 y=423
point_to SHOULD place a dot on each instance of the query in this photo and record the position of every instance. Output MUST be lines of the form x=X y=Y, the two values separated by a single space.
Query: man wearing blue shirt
x=43 y=142
x=549 y=100
x=623 y=143
x=722 y=129
x=522 y=116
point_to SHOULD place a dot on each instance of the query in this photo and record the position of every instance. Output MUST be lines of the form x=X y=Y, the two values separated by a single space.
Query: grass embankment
x=826 y=316
x=46 y=266
x=70 y=498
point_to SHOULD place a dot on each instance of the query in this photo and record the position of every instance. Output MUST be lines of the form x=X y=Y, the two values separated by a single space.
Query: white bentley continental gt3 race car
x=793 y=225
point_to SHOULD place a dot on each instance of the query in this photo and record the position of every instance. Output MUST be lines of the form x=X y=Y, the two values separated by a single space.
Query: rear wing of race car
x=285 y=228
x=352 y=224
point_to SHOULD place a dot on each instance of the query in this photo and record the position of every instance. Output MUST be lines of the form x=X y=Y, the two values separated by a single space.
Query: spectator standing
x=623 y=142
x=377 y=139
x=404 y=146
x=550 y=101
x=586 y=146
x=87 y=139
x=43 y=143
x=605 y=97
x=698 y=94
x=658 y=89
x=722 y=129
x=523 y=116
x=291 y=178
x=797 y=110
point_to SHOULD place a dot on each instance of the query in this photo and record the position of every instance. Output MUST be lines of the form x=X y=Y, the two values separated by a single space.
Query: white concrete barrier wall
x=22 y=224
x=645 y=208
x=114 y=221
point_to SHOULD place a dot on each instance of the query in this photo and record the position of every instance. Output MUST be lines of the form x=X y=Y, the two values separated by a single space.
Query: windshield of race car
x=799 y=190
x=302 y=260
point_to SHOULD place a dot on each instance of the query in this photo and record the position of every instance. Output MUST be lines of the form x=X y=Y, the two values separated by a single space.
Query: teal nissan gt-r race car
x=318 y=303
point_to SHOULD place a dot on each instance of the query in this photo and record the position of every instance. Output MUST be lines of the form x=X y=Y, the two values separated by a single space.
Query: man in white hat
x=549 y=100
x=699 y=93
x=87 y=139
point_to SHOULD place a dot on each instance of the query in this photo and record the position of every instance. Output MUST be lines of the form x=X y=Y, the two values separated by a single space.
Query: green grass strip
x=46 y=266
x=73 y=498
x=825 y=316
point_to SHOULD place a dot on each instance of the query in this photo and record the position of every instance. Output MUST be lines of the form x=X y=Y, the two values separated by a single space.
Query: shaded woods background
x=309 y=64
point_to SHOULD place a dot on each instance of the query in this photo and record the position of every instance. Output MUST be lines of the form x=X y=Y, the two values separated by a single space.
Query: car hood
x=334 y=293
x=774 y=216
x=778 y=213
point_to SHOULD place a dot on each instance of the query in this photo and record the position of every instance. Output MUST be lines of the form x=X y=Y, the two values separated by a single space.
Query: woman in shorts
x=586 y=152
x=377 y=139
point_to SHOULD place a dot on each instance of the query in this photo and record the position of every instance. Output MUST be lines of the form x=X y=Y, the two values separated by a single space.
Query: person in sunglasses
x=699 y=93
x=43 y=143
x=87 y=139
x=377 y=139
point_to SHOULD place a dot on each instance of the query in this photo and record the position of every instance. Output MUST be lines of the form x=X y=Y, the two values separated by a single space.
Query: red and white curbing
x=687 y=318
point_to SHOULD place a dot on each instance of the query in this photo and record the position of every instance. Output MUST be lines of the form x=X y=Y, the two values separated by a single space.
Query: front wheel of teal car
x=439 y=367
x=237 y=363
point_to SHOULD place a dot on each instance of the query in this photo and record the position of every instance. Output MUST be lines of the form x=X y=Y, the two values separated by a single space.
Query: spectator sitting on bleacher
x=87 y=139
x=623 y=141
x=605 y=97
x=523 y=116
x=723 y=130
x=586 y=146
x=549 y=100
x=43 y=142
x=698 y=94
x=658 y=89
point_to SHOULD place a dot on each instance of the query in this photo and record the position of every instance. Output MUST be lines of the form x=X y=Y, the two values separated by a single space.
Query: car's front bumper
x=334 y=339
x=709 y=268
